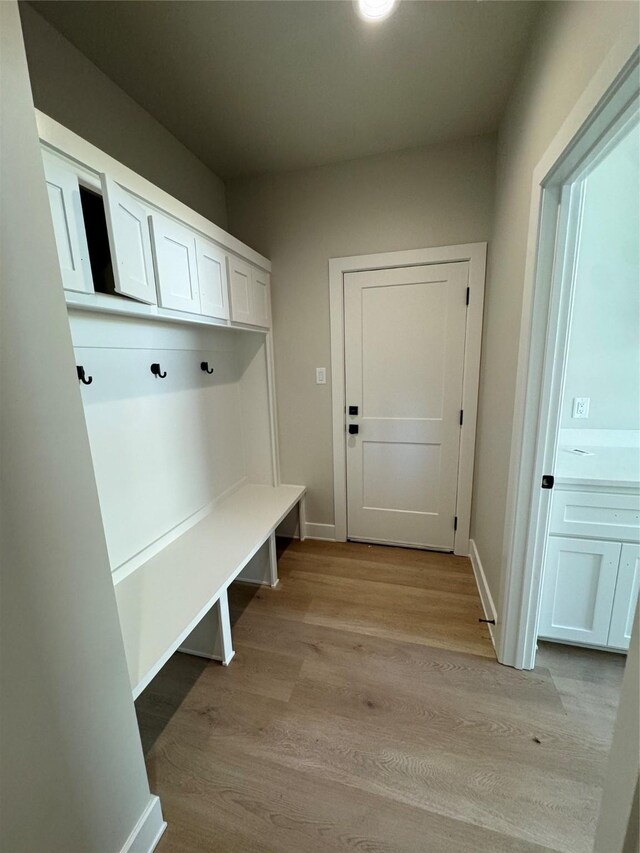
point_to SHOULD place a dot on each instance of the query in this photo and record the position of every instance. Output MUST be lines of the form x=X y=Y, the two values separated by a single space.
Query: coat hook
x=86 y=380
x=155 y=369
x=204 y=365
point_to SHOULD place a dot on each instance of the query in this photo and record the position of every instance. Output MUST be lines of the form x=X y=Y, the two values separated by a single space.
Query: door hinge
x=547 y=481
x=461 y=416
x=468 y=295
x=455 y=523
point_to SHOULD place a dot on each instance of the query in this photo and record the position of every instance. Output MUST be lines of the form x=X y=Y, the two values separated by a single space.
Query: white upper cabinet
x=250 y=300
x=68 y=224
x=260 y=288
x=240 y=285
x=213 y=279
x=174 y=247
x=130 y=244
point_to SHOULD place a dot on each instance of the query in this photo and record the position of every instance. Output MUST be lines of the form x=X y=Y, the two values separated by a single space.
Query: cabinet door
x=174 y=248
x=240 y=283
x=130 y=244
x=213 y=280
x=68 y=224
x=578 y=589
x=260 y=291
x=626 y=597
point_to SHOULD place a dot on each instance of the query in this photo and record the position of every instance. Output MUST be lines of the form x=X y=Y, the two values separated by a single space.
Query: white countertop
x=598 y=466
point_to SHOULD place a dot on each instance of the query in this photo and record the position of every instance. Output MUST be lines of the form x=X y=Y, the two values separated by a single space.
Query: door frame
x=476 y=255
x=604 y=106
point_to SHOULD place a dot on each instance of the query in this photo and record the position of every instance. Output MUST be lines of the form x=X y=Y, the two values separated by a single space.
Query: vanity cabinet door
x=174 y=248
x=68 y=224
x=625 y=598
x=130 y=244
x=578 y=590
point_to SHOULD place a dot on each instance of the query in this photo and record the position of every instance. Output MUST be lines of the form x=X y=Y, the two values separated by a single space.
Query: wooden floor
x=365 y=711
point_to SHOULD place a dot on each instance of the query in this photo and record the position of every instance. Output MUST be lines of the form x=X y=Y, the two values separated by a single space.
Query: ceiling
x=251 y=87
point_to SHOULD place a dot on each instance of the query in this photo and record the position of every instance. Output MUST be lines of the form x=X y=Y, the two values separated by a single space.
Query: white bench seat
x=162 y=601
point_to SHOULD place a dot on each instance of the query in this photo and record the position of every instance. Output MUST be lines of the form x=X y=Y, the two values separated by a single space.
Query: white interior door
x=213 y=279
x=174 y=246
x=68 y=224
x=404 y=360
x=626 y=597
x=130 y=244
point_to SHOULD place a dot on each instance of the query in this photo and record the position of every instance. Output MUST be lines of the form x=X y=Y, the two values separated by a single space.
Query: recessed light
x=375 y=10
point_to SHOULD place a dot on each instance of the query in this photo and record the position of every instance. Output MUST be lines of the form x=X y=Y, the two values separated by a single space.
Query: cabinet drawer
x=596 y=515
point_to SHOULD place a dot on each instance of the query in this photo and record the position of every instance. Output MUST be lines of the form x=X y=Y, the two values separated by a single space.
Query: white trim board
x=148 y=830
x=606 y=100
x=486 y=598
x=473 y=253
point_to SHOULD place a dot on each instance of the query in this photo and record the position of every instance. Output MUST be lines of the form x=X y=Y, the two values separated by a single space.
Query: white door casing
x=213 y=279
x=626 y=597
x=174 y=248
x=404 y=360
x=130 y=243
x=68 y=224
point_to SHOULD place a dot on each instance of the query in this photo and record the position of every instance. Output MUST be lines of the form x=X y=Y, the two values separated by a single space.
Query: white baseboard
x=148 y=830
x=488 y=606
x=320 y=531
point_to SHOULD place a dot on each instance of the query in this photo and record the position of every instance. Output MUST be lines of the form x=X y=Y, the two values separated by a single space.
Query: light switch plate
x=321 y=375
x=581 y=407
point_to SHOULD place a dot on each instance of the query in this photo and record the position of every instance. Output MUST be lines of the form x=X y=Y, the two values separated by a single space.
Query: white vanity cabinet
x=250 y=294
x=68 y=225
x=174 y=249
x=591 y=574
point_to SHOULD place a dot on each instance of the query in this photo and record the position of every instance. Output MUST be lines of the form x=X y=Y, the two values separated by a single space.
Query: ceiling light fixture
x=375 y=10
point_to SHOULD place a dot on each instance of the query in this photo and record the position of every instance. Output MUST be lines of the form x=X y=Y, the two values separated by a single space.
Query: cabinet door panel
x=240 y=283
x=578 y=589
x=261 y=315
x=68 y=224
x=213 y=279
x=174 y=248
x=626 y=597
x=130 y=244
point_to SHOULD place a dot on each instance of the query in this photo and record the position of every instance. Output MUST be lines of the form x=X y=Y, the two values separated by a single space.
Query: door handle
x=353 y=429
x=353 y=410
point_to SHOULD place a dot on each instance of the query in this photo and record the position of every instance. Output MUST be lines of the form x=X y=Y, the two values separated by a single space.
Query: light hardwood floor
x=365 y=711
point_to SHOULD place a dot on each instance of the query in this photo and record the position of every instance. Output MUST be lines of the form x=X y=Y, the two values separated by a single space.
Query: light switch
x=581 y=407
x=321 y=375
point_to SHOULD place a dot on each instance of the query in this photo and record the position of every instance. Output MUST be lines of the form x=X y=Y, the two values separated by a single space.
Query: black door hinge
x=455 y=523
x=547 y=481
x=461 y=416
x=468 y=294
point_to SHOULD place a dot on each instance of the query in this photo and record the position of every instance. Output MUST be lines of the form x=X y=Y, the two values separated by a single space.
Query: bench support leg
x=273 y=561
x=302 y=518
x=211 y=638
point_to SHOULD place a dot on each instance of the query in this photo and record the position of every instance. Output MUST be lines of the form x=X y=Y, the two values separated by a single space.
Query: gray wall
x=571 y=42
x=72 y=777
x=71 y=89
x=433 y=196
x=603 y=361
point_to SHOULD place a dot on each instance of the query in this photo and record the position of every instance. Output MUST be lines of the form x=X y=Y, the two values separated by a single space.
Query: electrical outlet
x=321 y=375
x=581 y=407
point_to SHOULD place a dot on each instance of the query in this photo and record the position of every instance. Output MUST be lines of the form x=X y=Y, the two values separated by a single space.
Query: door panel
x=626 y=597
x=130 y=244
x=174 y=248
x=213 y=280
x=68 y=224
x=240 y=285
x=579 y=584
x=404 y=359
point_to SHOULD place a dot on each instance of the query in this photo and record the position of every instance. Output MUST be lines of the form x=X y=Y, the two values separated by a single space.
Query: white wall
x=71 y=89
x=571 y=42
x=72 y=778
x=433 y=196
x=603 y=360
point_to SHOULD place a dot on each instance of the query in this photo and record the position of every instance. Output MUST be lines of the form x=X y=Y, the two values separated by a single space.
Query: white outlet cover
x=321 y=375
x=581 y=407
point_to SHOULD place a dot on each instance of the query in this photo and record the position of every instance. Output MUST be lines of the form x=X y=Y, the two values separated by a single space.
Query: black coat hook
x=86 y=380
x=155 y=369
x=204 y=365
